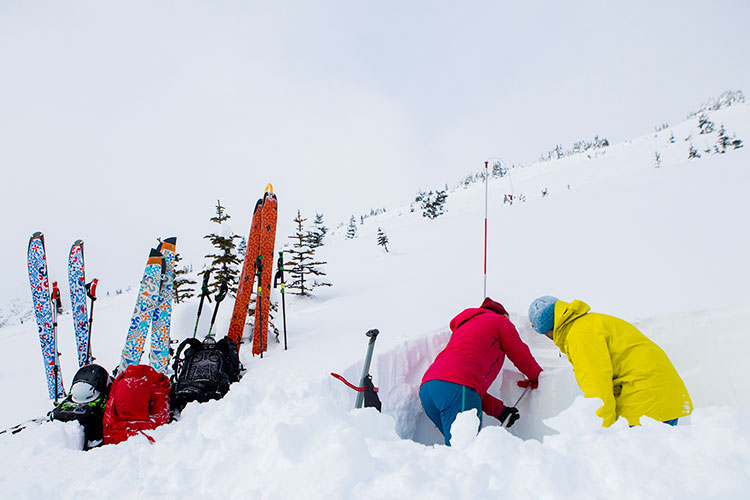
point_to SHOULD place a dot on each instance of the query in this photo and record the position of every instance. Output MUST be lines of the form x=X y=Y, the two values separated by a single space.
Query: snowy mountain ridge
x=656 y=245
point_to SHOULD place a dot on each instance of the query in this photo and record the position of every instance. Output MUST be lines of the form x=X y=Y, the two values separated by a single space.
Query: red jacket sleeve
x=518 y=352
x=492 y=406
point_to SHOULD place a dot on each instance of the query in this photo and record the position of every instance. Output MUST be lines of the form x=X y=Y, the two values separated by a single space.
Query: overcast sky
x=121 y=122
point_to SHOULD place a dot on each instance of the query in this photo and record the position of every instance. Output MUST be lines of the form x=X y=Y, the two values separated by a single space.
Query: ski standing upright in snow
x=162 y=320
x=260 y=247
x=77 y=281
x=146 y=303
x=46 y=315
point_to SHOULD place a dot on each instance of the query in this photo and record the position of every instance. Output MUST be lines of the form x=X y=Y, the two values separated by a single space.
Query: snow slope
x=665 y=248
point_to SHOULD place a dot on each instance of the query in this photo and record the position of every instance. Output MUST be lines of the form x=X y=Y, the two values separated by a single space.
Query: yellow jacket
x=614 y=361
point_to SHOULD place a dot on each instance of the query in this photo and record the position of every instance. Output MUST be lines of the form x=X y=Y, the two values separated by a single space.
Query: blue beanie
x=542 y=314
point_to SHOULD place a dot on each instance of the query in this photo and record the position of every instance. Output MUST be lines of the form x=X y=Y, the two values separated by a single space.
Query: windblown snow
x=663 y=247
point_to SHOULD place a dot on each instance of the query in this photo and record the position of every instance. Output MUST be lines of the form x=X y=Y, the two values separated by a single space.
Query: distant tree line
x=578 y=147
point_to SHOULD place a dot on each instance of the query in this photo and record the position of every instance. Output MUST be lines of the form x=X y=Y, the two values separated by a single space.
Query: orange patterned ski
x=265 y=254
x=247 y=278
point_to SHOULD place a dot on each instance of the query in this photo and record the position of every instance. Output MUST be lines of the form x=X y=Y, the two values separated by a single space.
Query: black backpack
x=204 y=370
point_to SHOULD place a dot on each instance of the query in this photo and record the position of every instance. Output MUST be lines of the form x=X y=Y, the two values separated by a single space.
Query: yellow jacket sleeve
x=589 y=355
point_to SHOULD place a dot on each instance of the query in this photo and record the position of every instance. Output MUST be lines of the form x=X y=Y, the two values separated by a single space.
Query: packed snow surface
x=665 y=248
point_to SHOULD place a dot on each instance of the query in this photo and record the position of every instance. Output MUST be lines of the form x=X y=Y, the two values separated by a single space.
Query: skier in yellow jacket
x=613 y=361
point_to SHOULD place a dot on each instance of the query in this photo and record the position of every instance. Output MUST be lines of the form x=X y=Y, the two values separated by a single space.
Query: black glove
x=511 y=413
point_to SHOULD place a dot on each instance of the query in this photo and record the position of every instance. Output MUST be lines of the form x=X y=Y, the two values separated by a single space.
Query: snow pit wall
x=397 y=374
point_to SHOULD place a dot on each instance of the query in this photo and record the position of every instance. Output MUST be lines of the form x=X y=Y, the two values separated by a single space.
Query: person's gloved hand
x=528 y=383
x=510 y=413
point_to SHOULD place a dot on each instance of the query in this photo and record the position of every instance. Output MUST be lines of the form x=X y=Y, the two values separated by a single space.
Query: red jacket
x=476 y=351
x=138 y=401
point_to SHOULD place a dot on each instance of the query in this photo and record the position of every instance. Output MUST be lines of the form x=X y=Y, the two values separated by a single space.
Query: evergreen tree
x=351 y=229
x=382 y=239
x=657 y=159
x=723 y=141
x=433 y=204
x=183 y=289
x=497 y=170
x=736 y=143
x=319 y=231
x=241 y=248
x=272 y=312
x=224 y=262
x=693 y=153
x=706 y=125
x=302 y=267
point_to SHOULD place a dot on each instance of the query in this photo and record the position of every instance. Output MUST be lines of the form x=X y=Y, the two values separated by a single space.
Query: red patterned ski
x=247 y=278
x=260 y=246
x=265 y=269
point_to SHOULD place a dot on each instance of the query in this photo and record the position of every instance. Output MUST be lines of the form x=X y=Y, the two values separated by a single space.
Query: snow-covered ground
x=666 y=248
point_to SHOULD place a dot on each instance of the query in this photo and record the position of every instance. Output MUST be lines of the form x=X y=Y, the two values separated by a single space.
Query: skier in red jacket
x=459 y=377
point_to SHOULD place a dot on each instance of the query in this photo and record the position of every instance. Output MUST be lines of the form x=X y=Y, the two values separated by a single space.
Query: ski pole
x=56 y=306
x=518 y=401
x=223 y=288
x=372 y=334
x=259 y=299
x=204 y=294
x=280 y=274
x=91 y=293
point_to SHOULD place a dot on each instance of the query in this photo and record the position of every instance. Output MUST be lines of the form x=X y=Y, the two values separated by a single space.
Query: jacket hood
x=487 y=306
x=490 y=304
x=565 y=314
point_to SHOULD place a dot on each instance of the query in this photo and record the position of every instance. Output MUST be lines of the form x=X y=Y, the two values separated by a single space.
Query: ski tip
x=155 y=257
x=37 y=236
x=76 y=244
x=168 y=244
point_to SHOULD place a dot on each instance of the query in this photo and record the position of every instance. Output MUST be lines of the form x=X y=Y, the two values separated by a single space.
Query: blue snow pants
x=442 y=401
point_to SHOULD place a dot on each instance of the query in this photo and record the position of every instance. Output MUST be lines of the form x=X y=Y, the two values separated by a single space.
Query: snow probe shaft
x=280 y=275
x=372 y=334
x=518 y=401
x=204 y=294
x=90 y=293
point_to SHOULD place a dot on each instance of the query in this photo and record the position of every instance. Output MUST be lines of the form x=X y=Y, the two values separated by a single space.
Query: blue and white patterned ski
x=45 y=313
x=162 y=320
x=146 y=303
x=77 y=281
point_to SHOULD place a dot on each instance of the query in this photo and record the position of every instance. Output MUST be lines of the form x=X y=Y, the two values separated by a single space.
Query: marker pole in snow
x=486 y=203
x=204 y=294
x=223 y=288
x=372 y=334
x=280 y=275
x=91 y=293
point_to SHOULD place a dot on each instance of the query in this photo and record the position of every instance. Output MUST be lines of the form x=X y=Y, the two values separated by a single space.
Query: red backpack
x=138 y=401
